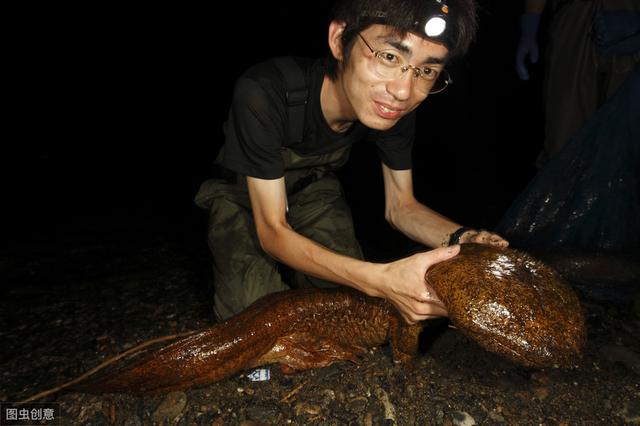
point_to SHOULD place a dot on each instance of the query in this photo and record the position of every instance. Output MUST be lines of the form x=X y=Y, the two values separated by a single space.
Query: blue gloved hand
x=528 y=44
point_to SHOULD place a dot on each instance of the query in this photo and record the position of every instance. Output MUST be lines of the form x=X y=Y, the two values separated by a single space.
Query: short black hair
x=401 y=16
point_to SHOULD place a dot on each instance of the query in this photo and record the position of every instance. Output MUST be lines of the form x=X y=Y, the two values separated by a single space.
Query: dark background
x=118 y=115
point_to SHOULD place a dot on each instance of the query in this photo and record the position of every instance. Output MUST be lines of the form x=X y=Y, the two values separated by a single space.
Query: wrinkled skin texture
x=503 y=299
x=299 y=329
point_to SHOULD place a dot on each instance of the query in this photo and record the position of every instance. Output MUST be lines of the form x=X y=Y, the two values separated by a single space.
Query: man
x=283 y=204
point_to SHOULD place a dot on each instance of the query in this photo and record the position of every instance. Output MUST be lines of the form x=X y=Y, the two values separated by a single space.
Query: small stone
x=89 y=410
x=306 y=408
x=368 y=419
x=410 y=391
x=540 y=378
x=496 y=417
x=462 y=418
x=357 y=405
x=541 y=393
x=170 y=408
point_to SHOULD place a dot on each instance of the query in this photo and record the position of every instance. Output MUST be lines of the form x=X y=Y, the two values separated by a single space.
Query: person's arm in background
x=528 y=43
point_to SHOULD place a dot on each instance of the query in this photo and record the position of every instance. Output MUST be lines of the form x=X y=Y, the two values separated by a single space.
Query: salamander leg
x=404 y=340
x=302 y=351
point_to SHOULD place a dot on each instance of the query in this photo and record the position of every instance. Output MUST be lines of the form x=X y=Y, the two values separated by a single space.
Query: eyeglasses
x=389 y=64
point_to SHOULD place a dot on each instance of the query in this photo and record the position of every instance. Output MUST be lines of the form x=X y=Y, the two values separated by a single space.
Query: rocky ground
x=66 y=309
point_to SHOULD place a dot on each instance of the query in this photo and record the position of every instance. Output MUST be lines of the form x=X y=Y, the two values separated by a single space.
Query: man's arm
x=401 y=282
x=419 y=222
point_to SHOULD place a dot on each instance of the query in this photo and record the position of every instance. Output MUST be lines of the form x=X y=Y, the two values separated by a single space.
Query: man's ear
x=336 y=29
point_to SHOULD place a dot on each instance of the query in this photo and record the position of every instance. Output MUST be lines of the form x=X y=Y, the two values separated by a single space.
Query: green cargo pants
x=243 y=272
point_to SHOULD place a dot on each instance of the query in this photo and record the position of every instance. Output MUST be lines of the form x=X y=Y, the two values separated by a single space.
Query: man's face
x=380 y=102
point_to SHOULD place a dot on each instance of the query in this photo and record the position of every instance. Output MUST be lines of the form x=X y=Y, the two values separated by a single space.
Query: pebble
x=170 y=409
x=540 y=378
x=89 y=410
x=306 y=408
x=541 y=393
x=368 y=419
x=389 y=408
x=357 y=405
x=462 y=418
x=410 y=391
x=496 y=417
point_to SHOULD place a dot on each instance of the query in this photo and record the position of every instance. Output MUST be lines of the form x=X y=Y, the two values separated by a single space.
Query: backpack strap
x=297 y=95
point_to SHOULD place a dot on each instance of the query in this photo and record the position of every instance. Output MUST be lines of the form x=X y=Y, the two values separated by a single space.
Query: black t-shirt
x=258 y=128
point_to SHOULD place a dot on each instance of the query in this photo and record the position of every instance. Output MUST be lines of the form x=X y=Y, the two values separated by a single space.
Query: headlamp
x=434 y=25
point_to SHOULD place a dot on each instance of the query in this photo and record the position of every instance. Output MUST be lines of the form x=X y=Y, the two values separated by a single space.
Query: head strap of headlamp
x=435 y=24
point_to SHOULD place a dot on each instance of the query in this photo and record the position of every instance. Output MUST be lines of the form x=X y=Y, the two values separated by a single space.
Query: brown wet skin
x=505 y=300
x=511 y=304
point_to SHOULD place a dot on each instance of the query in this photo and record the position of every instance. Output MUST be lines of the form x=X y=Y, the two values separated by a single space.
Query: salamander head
x=511 y=304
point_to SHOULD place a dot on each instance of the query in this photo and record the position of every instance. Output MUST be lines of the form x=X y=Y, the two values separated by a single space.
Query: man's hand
x=483 y=237
x=407 y=289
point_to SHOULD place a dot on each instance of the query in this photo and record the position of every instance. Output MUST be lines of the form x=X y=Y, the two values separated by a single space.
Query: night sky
x=119 y=115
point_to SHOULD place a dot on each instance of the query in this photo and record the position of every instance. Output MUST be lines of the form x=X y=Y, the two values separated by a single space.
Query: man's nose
x=401 y=87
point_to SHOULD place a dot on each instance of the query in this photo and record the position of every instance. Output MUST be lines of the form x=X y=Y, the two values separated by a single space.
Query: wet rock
x=90 y=410
x=304 y=408
x=328 y=396
x=540 y=378
x=389 y=408
x=357 y=405
x=496 y=417
x=170 y=409
x=541 y=393
x=410 y=391
x=462 y=418
x=368 y=419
